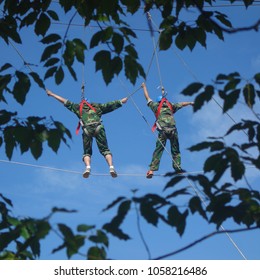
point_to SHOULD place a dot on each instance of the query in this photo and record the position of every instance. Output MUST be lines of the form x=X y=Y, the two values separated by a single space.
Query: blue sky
x=34 y=190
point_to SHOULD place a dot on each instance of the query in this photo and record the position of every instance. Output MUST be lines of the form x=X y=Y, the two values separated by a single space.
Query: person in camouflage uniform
x=166 y=126
x=90 y=120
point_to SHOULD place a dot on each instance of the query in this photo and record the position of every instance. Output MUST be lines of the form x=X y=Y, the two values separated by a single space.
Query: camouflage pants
x=160 y=145
x=101 y=140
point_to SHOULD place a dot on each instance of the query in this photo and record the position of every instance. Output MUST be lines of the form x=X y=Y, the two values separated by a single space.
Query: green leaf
x=21 y=87
x=66 y=231
x=96 y=39
x=178 y=192
x=131 y=51
x=230 y=100
x=190 y=38
x=80 y=47
x=195 y=206
x=29 y=19
x=37 y=79
x=131 y=68
x=148 y=212
x=177 y=219
x=42 y=25
x=180 y=40
x=132 y=5
x=223 y=19
x=95 y=253
x=62 y=210
x=36 y=148
x=84 y=228
x=51 y=38
x=50 y=72
x=6 y=200
x=118 y=42
x=237 y=167
x=59 y=76
x=257 y=78
x=113 y=226
x=249 y=95
x=165 y=39
x=100 y=237
x=5 y=67
x=248 y=2
x=53 y=15
x=203 y=97
x=174 y=181
x=51 y=62
x=200 y=146
x=232 y=84
x=54 y=139
x=9 y=142
x=192 y=89
x=50 y=50
x=116 y=231
x=5 y=116
x=200 y=36
x=102 y=59
x=212 y=162
x=115 y=202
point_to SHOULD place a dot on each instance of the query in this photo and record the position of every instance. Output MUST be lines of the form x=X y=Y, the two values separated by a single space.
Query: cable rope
x=77 y=172
x=83 y=81
x=149 y=21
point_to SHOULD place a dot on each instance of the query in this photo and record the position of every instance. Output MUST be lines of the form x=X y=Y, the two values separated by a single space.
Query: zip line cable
x=80 y=173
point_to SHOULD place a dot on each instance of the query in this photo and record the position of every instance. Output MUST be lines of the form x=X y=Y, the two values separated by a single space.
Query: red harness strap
x=159 y=110
x=80 y=111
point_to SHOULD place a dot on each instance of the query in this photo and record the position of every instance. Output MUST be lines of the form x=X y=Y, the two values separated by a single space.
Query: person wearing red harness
x=89 y=115
x=166 y=126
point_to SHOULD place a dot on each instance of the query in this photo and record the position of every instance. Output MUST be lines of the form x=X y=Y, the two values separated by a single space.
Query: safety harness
x=81 y=122
x=164 y=100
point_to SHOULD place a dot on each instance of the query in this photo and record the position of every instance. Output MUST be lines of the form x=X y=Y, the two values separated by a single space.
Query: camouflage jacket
x=165 y=118
x=89 y=116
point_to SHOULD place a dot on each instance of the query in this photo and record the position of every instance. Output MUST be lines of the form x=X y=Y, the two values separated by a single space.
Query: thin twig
x=202 y=239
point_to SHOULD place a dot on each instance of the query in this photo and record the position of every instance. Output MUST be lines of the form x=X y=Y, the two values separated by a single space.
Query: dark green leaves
x=192 y=89
x=42 y=25
x=50 y=50
x=177 y=219
x=113 y=227
x=229 y=89
x=30 y=134
x=249 y=95
x=21 y=87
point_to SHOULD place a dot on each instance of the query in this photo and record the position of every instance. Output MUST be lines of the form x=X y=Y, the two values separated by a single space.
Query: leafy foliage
x=21 y=238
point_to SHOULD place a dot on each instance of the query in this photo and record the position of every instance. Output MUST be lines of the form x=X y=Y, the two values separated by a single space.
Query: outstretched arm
x=146 y=94
x=124 y=100
x=57 y=97
x=187 y=104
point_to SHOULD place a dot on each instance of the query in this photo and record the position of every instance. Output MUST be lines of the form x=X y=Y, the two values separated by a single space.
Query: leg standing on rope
x=90 y=121
x=166 y=126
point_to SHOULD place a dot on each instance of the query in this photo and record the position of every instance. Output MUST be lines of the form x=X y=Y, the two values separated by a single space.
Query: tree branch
x=224 y=29
x=202 y=239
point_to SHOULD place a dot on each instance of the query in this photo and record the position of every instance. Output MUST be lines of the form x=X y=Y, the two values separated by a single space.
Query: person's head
x=159 y=98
